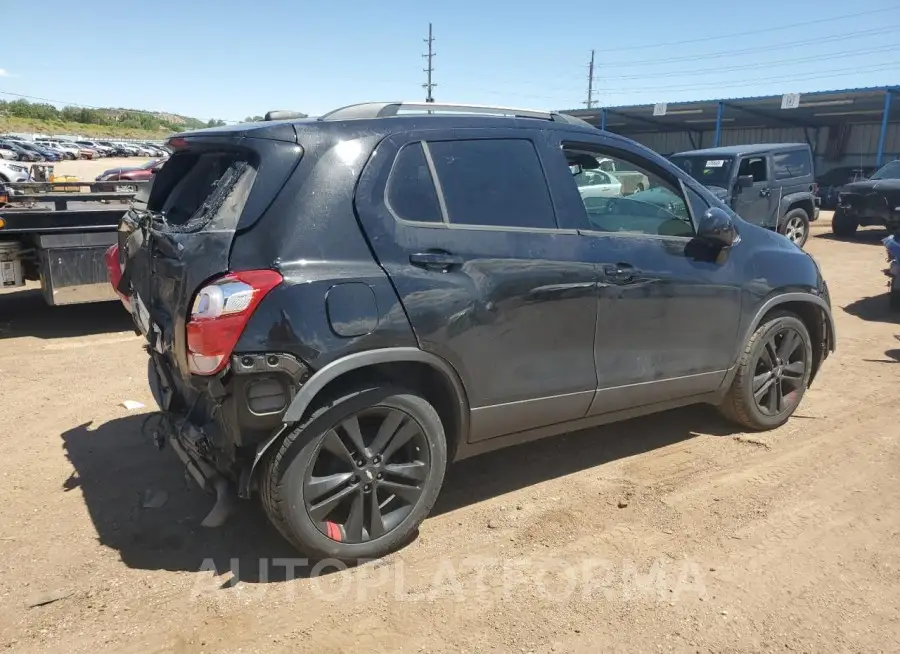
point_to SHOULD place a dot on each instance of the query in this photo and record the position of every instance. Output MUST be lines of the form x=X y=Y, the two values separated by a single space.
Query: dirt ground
x=88 y=170
x=668 y=533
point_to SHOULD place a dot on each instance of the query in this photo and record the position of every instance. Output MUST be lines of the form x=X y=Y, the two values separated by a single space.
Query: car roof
x=737 y=150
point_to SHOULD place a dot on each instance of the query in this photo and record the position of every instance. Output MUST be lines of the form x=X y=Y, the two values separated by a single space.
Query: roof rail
x=385 y=109
x=284 y=115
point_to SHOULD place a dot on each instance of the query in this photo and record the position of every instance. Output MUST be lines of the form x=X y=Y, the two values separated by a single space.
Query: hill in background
x=24 y=116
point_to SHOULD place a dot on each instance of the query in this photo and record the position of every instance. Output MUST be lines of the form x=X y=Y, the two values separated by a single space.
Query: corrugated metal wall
x=861 y=149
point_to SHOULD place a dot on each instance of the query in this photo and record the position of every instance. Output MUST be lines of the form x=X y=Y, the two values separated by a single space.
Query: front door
x=758 y=203
x=668 y=316
x=464 y=224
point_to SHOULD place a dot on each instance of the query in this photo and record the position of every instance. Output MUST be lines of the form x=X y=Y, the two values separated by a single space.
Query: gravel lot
x=668 y=533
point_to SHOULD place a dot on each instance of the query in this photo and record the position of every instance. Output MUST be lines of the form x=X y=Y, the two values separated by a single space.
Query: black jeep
x=770 y=185
x=873 y=201
x=336 y=308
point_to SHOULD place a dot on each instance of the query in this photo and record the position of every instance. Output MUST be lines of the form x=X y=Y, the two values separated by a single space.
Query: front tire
x=842 y=225
x=796 y=226
x=772 y=375
x=355 y=480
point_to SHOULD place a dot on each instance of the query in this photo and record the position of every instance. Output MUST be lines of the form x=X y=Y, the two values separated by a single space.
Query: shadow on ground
x=25 y=313
x=869 y=236
x=116 y=467
x=874 y=309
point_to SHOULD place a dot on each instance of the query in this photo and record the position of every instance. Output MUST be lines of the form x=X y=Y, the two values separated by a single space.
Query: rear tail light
x=219 y=314
x=114 y=268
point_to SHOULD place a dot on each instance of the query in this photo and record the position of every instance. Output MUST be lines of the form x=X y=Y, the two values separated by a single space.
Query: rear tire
x=764 y=396
x=375 y=448
x=795 y=226
x=842 y=225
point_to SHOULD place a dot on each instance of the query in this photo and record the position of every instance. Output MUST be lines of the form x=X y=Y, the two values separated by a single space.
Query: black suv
x=335 y=308
x=872 y=201
x=770 y=185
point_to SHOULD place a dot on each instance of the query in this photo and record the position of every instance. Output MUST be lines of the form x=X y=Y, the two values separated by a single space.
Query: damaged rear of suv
x=335 y=308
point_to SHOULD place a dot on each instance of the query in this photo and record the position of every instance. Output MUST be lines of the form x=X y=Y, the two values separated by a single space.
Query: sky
x=227 y=59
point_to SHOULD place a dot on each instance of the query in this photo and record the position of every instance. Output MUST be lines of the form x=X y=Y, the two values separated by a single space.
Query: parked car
x=67 y=151
x=12 y=172
x=101 y=150
x=46 y=153
x=8 y=153
x=335 y=308
x=21 y=154
x=133 y=173
x=831 y=182
x=770 y=185
x=118 y=149
x=632 y=181
x=597 y=183
x=892 y=248
x=874 y=201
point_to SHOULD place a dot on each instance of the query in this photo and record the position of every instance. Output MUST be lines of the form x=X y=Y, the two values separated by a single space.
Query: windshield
x=709 y=171
x=889 y=171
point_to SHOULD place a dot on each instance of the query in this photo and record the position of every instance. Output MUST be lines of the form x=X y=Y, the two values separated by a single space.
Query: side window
x=493 y=183
x=791 y=164
x=639 y=197
x=410 y=192
x=755 y=166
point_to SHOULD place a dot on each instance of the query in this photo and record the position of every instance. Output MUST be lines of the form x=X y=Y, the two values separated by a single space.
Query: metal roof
x=818 y=108
x=735 y=150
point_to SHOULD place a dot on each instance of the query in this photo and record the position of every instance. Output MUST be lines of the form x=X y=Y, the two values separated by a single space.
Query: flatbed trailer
x=54 y=234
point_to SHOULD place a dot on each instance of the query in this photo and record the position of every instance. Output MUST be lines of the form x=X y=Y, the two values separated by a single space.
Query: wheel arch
x=803 y=201
x=816 y=316
x=422 y=371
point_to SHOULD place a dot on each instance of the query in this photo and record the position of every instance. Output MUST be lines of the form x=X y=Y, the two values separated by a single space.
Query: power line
x=764 y=30
x=833 y=55
x=590 y=95
x=429 y=85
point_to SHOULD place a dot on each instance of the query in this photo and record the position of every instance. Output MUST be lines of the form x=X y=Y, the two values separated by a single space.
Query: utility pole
x=429 y=85
x=590 y=95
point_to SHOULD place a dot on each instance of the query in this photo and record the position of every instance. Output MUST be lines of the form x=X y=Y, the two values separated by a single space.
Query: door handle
x=620 y=272
x=435 y=260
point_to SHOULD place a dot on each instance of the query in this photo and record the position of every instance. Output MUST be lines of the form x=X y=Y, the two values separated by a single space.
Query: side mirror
x=717 y=228
x=745 y=181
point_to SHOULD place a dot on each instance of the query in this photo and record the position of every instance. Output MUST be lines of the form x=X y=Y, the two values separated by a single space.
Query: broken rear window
x=193 y=188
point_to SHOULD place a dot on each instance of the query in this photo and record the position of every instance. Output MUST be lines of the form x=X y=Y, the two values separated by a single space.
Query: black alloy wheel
x=780 y=372
x=772 y=374
x=355 y=479
x=367 y=475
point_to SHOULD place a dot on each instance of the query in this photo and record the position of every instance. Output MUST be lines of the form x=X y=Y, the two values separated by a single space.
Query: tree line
x=107 y=117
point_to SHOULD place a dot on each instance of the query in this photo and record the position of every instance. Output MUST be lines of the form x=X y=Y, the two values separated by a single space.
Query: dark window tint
x=493 y=182
x=410 y=188
x=791 y=164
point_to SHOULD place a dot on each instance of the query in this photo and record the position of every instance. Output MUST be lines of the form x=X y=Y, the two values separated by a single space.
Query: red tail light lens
x=114 y=268
x=219 y=314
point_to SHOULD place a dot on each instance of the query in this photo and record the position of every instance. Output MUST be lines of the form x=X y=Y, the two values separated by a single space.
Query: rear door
x=182 y=235
x=464 y=224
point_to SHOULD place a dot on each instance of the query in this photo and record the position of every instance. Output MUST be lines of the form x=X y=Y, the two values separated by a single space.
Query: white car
x=13 y=172
x=71 y=151
x=598 y=184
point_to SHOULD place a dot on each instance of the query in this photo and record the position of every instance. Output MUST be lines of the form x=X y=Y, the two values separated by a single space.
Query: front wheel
x=355 y=480
x=796 y=226
x=842 y=225
x=772 y=375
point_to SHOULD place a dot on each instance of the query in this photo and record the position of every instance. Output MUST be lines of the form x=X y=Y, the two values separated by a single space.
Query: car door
x=757 y=204
x=464 y=224
x=669 y=312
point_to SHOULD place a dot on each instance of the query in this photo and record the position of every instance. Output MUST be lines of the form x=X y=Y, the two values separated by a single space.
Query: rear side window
x=410 y=189
x=193 y=188
x=791 y=164
x=493 y=183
